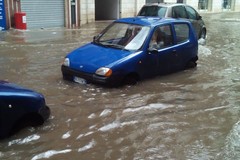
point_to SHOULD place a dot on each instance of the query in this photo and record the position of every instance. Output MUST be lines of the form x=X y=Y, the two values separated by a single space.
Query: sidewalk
x=14 y=36
x=64 y=35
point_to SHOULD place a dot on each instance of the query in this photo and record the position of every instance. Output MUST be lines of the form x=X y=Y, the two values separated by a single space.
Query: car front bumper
x=45 y=112
x=69 y=74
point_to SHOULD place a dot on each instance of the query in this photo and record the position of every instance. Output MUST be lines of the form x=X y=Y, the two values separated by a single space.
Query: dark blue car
x=132 y=49
x=20 y=107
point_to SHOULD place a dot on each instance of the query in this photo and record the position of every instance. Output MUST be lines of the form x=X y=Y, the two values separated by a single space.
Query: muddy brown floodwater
x=193 y=114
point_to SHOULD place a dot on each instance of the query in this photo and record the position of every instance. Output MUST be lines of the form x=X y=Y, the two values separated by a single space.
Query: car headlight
x=66 y=62
x=103 y=71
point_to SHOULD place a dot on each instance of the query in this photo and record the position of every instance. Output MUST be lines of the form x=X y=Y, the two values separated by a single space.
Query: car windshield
x=124 y=36
x=153 y=11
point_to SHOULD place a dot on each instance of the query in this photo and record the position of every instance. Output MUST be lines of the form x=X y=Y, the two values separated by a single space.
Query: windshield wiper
x=114 y=45
x=105 y=44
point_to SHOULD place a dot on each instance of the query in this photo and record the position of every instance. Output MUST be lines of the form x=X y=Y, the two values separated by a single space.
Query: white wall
x=237 y=5
x=87 y=11
x=192 y=3
x=130 y=8
x=217 y=5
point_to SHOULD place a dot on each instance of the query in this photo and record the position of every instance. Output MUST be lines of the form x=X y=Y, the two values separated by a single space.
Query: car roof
x=165 y=4
x=148 y=21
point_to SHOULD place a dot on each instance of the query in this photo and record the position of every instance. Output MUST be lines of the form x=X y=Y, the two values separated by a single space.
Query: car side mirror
x=94 y=39
x=152 y=50
x=199 y=17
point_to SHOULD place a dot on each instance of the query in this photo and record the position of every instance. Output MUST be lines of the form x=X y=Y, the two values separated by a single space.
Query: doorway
x=107 y=9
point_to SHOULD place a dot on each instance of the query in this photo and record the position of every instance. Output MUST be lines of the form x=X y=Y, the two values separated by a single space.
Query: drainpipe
x=87 y=9
x=80 y=12
x=70 y=14
x=8 y=14
x=136 y=7
x=120 y=8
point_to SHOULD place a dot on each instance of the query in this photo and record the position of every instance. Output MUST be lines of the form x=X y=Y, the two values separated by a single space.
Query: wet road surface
x=192 y=114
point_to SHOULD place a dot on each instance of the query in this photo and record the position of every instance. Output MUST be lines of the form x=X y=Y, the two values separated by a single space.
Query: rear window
x=182 y=32
x=153 y=11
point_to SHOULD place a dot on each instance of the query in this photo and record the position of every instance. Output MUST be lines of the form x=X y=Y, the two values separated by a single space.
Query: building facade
x=74 y=13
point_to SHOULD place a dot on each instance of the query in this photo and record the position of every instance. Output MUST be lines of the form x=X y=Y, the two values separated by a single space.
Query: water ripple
x=88 y=146
x=50 y=153
x=25 y=140
x=149 y=107
x=232 y=147
x=110 y=126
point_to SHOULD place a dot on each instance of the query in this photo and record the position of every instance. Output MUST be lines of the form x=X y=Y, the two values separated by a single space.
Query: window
x=203 y=4
x=226 y=4
x=179 y=12
x=162 y=37
x=179 y=1
x=182 y=32
x=162 y=11
x=123 y=36
x=153 y=11
x=191 y=13
x=149 y=11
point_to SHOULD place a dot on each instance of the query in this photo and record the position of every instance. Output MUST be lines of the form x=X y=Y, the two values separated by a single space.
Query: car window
x=117 y=31
x=179 y=12
x=182 y=32
x=123 y=36
x=162 y=11
x=162 y=37
x=153 y=11
x=191 y=13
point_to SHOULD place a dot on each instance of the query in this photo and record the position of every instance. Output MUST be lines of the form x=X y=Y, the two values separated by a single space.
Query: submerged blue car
x=132 y=49
x=20 y=107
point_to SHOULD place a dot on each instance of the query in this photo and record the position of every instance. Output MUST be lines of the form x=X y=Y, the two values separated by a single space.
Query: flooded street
x=193 y=114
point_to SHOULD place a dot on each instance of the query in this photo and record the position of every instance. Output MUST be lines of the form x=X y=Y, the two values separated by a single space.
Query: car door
x=194 y=19
x=162 y=44
x=183 y=45
x=1 y=105
x=179 y=12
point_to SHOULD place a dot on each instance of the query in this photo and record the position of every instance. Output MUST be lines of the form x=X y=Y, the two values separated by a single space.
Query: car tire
x=191 y=64
x=130 y=80
x=203 y=34
x=67 y=77
x=27 y=121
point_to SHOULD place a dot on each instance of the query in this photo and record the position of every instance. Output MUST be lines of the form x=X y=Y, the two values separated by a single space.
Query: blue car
x=132 y=49
x=20 y=107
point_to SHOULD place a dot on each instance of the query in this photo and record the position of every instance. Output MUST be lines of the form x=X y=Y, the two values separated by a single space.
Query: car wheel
x=27 y=121
x=130 y=79
x=203 y=34
x=192 y=63
x=67 y=77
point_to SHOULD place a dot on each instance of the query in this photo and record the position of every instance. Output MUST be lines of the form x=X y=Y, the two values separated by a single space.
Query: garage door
x=43 y=13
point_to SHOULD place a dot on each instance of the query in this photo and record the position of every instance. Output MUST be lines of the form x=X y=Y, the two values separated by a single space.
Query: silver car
x=176 y=10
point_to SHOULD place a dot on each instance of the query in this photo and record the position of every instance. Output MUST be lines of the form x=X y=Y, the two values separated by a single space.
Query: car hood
x=11 y=89
x=90 y=57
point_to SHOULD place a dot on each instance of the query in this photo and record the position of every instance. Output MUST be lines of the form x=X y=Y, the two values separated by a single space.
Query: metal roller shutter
x=43 y=13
